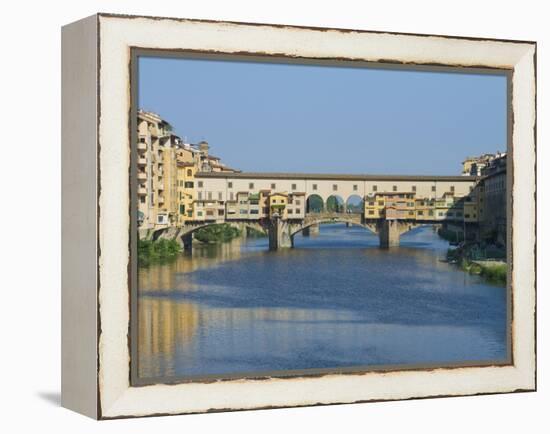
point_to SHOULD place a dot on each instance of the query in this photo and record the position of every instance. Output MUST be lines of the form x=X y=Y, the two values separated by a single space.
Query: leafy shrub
x=495 y=273
x=150 y=252
x=217 y=233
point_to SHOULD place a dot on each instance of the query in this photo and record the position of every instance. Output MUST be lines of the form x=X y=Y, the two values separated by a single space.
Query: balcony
x=142 y=161
x=161 y=199
x=161 y=187
x=142 y=146
x=142 y=191
x=142 y=176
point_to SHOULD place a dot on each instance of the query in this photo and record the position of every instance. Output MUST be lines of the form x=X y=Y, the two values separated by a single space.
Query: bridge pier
x=389 y=233
x=279 y=235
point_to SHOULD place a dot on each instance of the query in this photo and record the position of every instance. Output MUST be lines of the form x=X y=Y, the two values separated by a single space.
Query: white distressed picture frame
x=96 y=218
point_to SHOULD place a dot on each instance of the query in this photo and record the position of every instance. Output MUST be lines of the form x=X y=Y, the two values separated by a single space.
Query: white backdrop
x=30 y=221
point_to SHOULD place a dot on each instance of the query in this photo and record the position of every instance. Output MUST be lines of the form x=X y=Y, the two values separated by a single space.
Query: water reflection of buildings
x=165 y=324
x=164 y=277
x=162 y=325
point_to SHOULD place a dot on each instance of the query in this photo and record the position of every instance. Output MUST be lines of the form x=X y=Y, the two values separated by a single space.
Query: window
x=229 y=184
x=243 y=211
x=200 y=195
x=189 y=172
x=354 y=187
x=219 y=195
x=220 y=212
x=273 y=186
x=293 y=187
x=199 y=213
x=289 y=211
x=298 y=202
x=142 y=199
x=182 y=209
x=433 y=188
x=200 y=184
x=251 y=185
x=371 y=203
x=430 y=213
x=381 y=203
x=209 y=195
x=254 y=211
x=209 y=212
x=452 y=188
x=414 y=188
x=188 y=184
x=374 y=188
x=420 y=212
x=314 y=186
x=371 y=212
x=334 y=187
x=297 y=211
x=395 y=188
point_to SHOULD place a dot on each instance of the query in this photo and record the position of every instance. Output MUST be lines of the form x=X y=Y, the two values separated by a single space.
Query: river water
x=334 y=301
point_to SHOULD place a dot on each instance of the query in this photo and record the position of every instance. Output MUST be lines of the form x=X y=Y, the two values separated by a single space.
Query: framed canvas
x=262 y=216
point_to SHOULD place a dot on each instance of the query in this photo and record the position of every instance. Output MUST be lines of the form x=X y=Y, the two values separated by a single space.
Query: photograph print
x=299 y=219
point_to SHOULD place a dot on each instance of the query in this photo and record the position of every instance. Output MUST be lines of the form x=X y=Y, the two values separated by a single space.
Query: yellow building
x=375 y=205
x=449 y=207
x=424 y=209
x=277 y=203
x=185 y=191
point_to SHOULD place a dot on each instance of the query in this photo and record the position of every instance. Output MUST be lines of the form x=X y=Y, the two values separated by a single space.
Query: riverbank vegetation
x=451 y=236
x=159 y=251
x=493 y=271
x=221 y=233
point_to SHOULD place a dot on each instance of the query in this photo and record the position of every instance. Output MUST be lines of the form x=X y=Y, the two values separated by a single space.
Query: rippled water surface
x=335 y=300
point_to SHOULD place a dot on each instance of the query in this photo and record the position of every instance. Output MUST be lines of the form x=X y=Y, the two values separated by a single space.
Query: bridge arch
x=355 y=204
x=157 y=233
x=335 y=204
x=315 y=204
x=327 y=218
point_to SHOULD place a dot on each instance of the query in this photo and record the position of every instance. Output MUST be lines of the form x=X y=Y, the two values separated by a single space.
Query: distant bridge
x=222 y=188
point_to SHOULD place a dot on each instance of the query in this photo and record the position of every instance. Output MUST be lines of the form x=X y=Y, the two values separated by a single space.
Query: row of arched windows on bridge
x=334 y=203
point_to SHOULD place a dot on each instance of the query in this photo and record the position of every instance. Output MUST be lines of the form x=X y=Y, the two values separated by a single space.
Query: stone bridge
x=281 y=233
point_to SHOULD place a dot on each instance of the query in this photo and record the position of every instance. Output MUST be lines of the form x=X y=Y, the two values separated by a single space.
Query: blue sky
x=295 y=118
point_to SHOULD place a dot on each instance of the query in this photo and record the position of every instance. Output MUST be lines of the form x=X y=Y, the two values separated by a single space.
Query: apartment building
x=494 y=184
x=166 y=168
x=156 y=171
